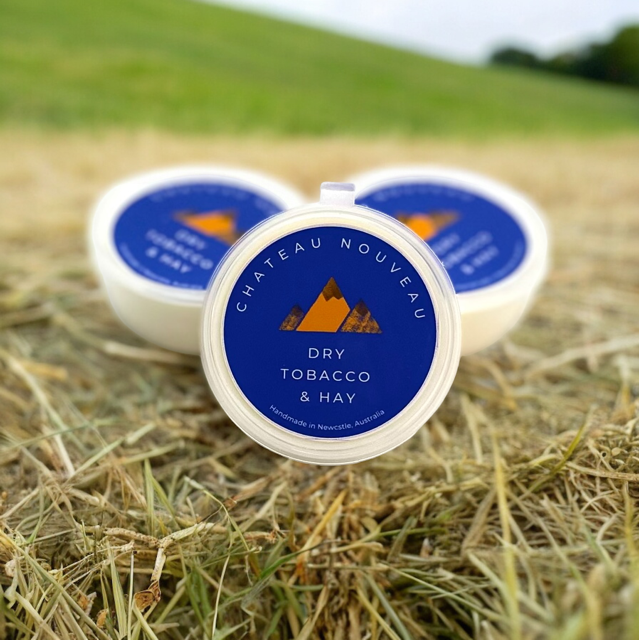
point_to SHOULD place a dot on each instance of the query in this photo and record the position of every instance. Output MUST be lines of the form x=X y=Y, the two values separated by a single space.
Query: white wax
x=487 y=313
x=333 y=212
x=168 y=316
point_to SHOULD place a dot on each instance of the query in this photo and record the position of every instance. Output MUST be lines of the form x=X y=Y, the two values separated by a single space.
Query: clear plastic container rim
x=348 y=449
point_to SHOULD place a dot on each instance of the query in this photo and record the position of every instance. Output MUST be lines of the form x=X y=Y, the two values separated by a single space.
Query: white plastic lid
x=161 y=234
x=330 y=333
x=491 y=239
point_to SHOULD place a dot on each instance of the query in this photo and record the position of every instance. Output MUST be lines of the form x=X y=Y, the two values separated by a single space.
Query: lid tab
x=339 y=193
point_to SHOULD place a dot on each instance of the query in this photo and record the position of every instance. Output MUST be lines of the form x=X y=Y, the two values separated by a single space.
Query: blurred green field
x=191 y=67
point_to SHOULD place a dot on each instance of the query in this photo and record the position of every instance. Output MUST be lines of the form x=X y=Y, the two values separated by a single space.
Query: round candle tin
x=330 y=332
x=157 y=238
x=491 y=240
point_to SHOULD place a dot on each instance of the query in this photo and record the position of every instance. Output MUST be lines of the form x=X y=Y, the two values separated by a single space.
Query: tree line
x=615 y=61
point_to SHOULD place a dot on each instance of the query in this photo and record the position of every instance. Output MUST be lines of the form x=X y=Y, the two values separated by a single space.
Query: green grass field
x=186 y=66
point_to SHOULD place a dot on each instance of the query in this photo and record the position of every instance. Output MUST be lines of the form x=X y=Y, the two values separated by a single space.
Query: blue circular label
x=177 y=236
x=330 y=332
x=478 y=242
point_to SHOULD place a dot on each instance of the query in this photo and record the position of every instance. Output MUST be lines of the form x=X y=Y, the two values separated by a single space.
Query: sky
x=461 y=30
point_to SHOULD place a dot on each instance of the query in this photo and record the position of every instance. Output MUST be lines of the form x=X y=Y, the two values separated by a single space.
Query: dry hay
x=130 y=507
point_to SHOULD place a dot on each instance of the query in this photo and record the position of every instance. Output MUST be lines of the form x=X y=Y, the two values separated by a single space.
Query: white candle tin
x=330 y=332
x=491 y=239
x=157 y=238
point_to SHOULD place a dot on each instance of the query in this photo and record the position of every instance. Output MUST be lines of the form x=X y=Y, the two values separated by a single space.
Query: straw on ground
x=131 y=507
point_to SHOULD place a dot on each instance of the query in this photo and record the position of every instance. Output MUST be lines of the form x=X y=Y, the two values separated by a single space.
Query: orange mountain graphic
x=219 y=224
x=428 y=225
x=330 y=313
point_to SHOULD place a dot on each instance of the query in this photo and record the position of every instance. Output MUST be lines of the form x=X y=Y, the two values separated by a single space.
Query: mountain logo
x=220 y=224
x=428 y=225
x=331 y=313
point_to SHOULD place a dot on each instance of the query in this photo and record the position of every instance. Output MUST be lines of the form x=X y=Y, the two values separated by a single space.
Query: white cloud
x=464 y=30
